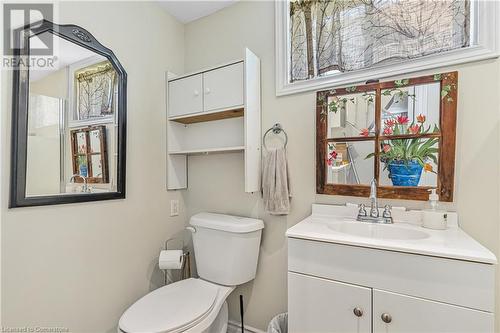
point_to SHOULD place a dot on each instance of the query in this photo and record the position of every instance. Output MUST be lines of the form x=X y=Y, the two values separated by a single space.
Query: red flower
x=387 y=131
x=386 y=148
x=402 y=120
x=329 y=161
x=390 y=122
x=364 y=132
x=413 y=129
x=421 y=118
x=333 y=154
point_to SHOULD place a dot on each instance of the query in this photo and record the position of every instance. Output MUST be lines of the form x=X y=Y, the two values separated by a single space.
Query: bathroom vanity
x=349 y=276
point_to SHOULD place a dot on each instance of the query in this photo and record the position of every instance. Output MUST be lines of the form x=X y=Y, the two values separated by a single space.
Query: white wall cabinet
x=223 y=88
x=185 y=95
x=397 y=292
x=217 y=110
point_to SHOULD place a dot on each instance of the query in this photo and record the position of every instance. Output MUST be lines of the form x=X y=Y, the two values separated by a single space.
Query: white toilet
x=226 y=251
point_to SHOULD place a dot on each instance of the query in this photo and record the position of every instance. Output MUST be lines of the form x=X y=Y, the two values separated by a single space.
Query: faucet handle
x=362 y=210
x=387 y=211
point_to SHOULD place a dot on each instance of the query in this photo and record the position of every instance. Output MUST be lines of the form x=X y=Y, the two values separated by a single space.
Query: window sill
x=472 y=54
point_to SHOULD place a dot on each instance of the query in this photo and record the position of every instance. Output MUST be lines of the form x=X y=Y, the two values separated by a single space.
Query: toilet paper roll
x=170 y=259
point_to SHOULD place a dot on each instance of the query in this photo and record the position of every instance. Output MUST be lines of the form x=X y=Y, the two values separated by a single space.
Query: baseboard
x=235 y=327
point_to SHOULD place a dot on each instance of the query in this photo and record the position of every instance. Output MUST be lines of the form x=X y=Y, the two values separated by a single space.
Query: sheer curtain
x=95 y=91
x=346 y=35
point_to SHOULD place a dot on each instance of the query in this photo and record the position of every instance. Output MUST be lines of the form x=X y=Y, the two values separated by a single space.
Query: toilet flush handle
x=193 y=230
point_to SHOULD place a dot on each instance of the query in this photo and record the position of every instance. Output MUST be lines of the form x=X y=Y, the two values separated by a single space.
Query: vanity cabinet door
x=395 y=313
x=317 y=305
x=223 y=88
x=185 y=96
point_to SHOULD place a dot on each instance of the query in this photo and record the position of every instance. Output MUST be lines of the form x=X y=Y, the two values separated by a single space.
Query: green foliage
x=401 y=83
x=339 y=103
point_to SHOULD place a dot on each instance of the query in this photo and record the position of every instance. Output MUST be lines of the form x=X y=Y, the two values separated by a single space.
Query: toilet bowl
x=226 y=252
x=191 y=305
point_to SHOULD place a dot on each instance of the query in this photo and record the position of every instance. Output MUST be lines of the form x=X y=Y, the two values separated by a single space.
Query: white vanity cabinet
x=321 y=305
x=344 y=282
x=216 y=110
x=410 y=314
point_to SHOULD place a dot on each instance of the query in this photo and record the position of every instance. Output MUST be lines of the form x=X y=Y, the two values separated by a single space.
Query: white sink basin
x=337 y=224
x=377 y=231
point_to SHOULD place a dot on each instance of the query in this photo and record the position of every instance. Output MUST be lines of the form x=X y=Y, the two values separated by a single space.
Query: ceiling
x=188 y=10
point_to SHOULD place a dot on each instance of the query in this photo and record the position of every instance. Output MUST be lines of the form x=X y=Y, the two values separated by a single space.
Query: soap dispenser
x=433 y=217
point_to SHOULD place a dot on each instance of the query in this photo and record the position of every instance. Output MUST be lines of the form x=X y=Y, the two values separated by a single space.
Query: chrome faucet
x=374 y=216
x=85 y=185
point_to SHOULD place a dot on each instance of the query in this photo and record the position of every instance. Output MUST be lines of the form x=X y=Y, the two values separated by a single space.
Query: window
x=93 y=92
x=95 y=88
x=400 y=133
x=322 y=43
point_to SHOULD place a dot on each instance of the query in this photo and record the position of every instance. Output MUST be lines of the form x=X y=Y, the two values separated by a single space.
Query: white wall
x=216 y=181
x=80 y=266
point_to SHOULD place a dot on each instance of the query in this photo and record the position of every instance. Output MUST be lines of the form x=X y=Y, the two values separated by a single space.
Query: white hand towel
x=276 y=183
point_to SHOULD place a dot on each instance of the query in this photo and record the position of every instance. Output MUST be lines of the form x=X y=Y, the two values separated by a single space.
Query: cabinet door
x=223 y=87
x=185 y=96
x=409 y=314
x=318 y=305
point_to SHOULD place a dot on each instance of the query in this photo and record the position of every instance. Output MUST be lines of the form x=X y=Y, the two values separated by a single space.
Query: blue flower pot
x=83 y=170
x=405 y=173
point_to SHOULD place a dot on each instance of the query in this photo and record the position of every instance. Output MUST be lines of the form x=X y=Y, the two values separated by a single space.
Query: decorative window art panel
x=400 y=133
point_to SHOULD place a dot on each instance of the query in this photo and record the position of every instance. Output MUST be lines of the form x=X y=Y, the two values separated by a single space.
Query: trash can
x=279 y=324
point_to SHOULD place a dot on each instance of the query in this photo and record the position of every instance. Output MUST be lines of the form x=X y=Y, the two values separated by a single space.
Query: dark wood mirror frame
x=20 y=96
x=446 y=161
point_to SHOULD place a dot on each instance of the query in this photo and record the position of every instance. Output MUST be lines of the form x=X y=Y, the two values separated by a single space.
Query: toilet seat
x=174 y=308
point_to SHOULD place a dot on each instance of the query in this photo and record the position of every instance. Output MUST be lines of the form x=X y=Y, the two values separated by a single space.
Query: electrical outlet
x=174 y=207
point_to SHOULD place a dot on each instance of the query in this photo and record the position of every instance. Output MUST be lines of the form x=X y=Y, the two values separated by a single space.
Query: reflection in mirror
x=347 y=163
x=405 y=104
x=351 y=115
x=72 y=121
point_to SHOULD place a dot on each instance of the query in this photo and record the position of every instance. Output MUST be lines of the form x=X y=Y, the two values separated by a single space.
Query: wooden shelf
x=207 y=150
x=208 y=116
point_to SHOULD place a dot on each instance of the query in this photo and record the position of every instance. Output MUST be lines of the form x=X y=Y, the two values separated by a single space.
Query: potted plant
x=405 y=159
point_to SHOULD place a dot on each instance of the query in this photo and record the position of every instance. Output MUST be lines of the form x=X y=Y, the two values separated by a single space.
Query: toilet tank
x=226 y=247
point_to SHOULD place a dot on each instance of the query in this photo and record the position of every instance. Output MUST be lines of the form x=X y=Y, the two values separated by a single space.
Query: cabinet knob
x=196 y=93
x=207 y=91
x=358 y=312
x=386 y=318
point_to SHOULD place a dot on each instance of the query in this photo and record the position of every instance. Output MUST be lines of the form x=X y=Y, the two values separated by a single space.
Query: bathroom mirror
x=69 y=118
x=400 y=133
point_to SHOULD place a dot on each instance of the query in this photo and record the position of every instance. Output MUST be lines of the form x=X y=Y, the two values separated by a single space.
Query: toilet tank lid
x=229 y=223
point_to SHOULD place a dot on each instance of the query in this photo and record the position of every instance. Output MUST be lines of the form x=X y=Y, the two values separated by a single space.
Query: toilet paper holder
x=185 y=270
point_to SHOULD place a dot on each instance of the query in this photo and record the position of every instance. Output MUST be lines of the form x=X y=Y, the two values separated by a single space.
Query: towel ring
x=276 y=129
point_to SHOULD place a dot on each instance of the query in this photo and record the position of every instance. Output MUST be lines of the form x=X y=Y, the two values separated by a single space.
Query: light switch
x=174 y=207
